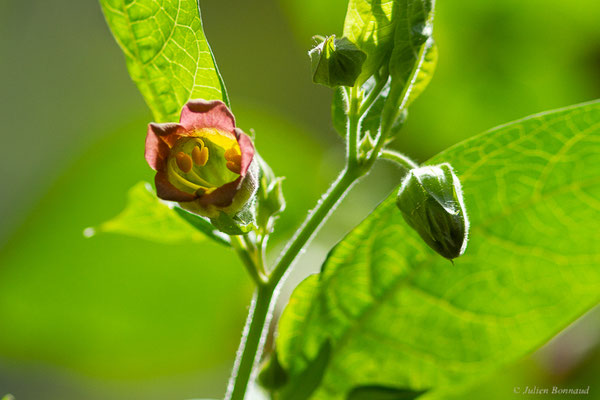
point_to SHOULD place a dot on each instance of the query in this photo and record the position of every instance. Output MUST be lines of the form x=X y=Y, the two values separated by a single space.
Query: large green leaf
x=167 y=54
x=147 y=217
x=370 y=24
x=397 y=314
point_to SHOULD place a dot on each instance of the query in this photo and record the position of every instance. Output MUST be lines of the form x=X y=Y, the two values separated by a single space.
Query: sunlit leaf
x=424 y=74
x=308 y=380
x=370 y=24
x=166 y=51
x=147 y=217
x=399 y=315
x=412 y=42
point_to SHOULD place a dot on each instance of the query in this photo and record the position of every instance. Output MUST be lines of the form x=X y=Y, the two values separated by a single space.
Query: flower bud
x=270 y=197
x=431 y=202
x=336 y=62
x=204 y=162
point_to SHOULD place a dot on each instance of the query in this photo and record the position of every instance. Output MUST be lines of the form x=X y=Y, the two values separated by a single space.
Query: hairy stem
x=353 y=129
x=399 y=159
x=314 y=221
x=260 y=313
x=250 y=349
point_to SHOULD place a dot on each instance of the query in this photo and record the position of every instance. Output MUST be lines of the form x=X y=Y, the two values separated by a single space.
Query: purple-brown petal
x=156 y=150
x=198 y=114
x=221 y=196
x=165 y=129
x=246 y=150
x=168 y=132
x=166 y=191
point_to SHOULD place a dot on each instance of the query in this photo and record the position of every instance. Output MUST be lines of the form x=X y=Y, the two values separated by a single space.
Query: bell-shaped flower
x=203 y=162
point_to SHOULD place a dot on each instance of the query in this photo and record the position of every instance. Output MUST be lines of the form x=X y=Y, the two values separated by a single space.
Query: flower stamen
x=184 y=162
x=200 y=155
x=234 y=159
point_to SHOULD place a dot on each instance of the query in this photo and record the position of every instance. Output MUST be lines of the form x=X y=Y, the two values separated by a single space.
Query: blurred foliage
x=116 y=298
x=117 y=309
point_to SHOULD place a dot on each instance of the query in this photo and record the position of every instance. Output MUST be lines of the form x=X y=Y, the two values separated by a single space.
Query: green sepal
x=336 y=62
x=240 y=224
x=431 y=202
x=270 y=199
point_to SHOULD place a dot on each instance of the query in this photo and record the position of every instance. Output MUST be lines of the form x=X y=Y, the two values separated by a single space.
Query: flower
x=204 y=162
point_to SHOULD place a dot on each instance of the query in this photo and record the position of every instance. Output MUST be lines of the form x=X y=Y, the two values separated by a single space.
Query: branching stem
x=260 y=312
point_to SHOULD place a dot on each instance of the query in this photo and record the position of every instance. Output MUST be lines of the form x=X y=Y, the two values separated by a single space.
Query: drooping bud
x=336 y=62
x=431 y=202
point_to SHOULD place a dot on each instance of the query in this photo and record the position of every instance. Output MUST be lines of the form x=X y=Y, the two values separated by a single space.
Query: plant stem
x=375 y=92
x=244 y=254
x=250 y=349
x=314 y=221
x=353 y=121
x=399 y=159
x=260 y=313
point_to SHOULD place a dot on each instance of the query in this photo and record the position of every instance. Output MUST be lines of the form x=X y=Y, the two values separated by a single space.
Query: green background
x=120 y=318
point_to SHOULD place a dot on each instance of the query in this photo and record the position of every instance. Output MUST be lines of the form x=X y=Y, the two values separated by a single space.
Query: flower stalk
x=260 y=313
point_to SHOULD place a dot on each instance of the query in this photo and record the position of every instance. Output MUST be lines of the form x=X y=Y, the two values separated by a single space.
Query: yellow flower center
x=203 y=162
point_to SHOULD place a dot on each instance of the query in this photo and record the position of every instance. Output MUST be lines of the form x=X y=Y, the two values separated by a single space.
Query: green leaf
x=372 y=119
x=397 y=314
x=308 y=380
x=166 y=51
x=203 y=226
x=412 y=43
x=424 y=74
x=370 y=25
x=272 y=376
x=382 y=393
x=147 y=217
